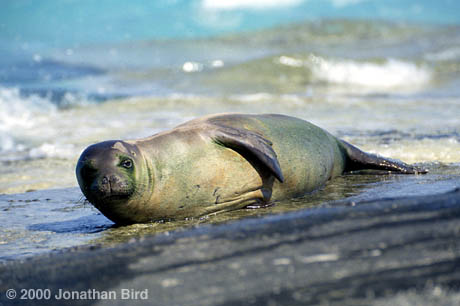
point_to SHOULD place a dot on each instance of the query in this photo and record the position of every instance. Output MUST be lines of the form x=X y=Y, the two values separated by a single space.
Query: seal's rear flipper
x=242 y=140
x=359 y=160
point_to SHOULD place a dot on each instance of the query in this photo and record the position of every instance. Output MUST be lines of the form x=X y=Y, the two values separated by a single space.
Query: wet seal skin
x=217 y=163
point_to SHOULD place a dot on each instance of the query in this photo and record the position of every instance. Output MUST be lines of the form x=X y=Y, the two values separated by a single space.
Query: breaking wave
x=384 y=75
x=27 y=128
x=19 y=115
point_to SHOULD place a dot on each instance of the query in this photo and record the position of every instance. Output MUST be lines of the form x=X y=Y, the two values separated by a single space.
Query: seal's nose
x=105 y=180
x=105 y=184
x=102 y=186
x=110 y=184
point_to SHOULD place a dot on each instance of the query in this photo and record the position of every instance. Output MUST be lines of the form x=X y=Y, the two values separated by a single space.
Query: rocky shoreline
x=376 y=252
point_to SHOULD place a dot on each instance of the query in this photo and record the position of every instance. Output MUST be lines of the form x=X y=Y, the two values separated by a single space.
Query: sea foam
x=382 y=75
x=18 y=115
x=28 y=127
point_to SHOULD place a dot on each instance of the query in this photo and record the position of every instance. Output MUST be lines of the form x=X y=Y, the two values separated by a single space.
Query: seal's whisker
x=83 y=200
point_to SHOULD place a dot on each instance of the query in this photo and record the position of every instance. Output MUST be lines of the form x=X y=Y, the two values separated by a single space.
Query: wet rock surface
x=380 y=252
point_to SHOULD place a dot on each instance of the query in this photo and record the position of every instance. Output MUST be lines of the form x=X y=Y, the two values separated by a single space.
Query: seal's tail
x=359 y=160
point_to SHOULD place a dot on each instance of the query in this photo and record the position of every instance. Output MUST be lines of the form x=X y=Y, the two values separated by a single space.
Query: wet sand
x=50 y=220
x=394 y=250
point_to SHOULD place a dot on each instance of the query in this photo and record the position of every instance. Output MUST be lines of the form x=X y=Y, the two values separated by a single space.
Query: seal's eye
x=127 y=163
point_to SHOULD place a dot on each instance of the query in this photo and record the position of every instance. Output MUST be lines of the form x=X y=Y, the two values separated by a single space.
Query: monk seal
x=217 y=163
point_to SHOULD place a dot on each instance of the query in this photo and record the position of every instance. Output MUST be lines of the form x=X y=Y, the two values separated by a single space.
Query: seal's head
x=108 y=174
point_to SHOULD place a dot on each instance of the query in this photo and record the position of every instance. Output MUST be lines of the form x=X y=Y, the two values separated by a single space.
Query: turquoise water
x=60 y=59
x=70 y=23
x=383 y=75
x=45 y=45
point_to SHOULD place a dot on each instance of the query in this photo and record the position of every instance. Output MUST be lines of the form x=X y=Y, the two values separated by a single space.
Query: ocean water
x=383 y=75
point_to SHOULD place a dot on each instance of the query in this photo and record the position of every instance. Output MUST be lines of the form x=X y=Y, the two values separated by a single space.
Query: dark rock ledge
x=385 y=252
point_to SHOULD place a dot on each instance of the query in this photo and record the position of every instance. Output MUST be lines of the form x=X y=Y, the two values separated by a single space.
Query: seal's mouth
x=105 y=194
x=114 y=197
x=109 y=195
x=107 y=203
x=110 y=189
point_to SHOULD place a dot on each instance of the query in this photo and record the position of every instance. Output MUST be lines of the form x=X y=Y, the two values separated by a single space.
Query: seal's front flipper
x=242 y=140
x=359 y=160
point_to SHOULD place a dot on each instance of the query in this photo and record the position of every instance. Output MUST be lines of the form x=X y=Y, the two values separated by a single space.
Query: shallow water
x=390 y=87
x=413 y=131
x=60 y=218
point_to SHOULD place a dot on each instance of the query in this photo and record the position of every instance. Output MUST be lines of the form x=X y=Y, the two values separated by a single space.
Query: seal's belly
x=196 y=175
x=229 y=181
x=224 y=179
